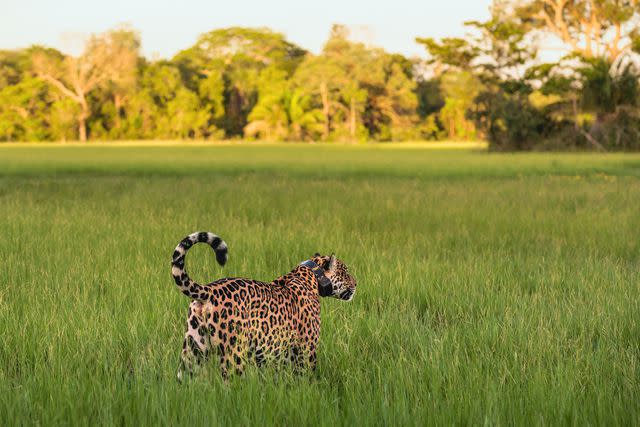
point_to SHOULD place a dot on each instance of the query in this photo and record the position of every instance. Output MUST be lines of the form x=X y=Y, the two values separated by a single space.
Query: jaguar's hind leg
x=232 y=356
x=196 y=345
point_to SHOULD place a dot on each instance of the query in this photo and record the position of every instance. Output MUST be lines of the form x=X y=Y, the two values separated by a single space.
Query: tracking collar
x=325 y=288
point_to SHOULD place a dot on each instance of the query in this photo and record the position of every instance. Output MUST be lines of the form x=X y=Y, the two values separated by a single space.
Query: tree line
x=252 y=83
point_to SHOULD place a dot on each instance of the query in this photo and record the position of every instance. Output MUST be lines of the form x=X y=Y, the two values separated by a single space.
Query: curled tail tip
x=178 y=271
x=222 y=251
x=213 y=240
x=221 y=258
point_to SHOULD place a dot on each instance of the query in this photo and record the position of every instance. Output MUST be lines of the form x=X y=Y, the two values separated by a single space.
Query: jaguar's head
x=342 y=283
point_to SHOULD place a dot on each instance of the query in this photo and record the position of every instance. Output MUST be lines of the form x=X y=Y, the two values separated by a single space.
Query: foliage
x=237 y=56
x=594 y=89
x=591 y=28
x=233 y=82
x=253 y=83
x=108 y=59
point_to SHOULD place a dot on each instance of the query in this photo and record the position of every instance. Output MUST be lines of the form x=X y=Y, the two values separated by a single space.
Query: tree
x=238 y=55
x=122 y=81
x=601 y=99
x=106 y=58
x=493 y=59
x=594 y=85
x=281 y=112
x=449 y=52
x=13 y=65
x=165 y=107
x=391 y=106
x=24 y=101
x=321 y=78
x=185 y=118
x=591 y=28
x=23 y=111
x=304 y=121
x=356 y=63
x=360 y=92
x=460 y=88
x=268 y=117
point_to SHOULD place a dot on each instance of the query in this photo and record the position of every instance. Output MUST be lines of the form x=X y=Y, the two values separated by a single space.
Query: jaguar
x=240 y=320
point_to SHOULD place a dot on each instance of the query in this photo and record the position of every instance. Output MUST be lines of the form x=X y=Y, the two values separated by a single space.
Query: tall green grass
x=492 y=289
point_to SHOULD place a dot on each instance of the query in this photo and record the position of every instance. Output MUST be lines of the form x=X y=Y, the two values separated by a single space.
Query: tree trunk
x=118 y=102
x=352 y=119
x=297 y=132
x=574 y=104
x=82 y=129
x=324 y=94
x=82 y=121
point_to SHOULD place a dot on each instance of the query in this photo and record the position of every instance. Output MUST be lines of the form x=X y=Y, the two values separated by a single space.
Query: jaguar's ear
x=332 y=263
x=317 y=254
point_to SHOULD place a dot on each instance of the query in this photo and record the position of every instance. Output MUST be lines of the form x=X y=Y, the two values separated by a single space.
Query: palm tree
x=304 y=121
x=269 y=119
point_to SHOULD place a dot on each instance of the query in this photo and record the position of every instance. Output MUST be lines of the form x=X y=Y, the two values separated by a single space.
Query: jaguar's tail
x=188 y=287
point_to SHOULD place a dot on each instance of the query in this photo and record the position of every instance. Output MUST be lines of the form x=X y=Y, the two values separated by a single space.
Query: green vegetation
x=252 y=83
x=232 y=83
x=493 y=288
x=588 y=98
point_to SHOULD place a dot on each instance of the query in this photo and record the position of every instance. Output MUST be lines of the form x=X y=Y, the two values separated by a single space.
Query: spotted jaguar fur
x=244 y=320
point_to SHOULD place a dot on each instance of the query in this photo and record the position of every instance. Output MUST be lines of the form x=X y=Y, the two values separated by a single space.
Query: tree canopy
x=253 y=83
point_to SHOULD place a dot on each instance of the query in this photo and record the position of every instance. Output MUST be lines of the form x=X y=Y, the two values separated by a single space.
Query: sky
x=166 y=27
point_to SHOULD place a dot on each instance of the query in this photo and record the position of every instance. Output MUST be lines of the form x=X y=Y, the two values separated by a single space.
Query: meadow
x=493 y=289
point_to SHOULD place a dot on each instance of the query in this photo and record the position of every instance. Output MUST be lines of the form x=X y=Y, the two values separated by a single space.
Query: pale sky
x=169 y=26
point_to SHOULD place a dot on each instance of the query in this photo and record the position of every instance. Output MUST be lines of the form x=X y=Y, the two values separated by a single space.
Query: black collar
x=325 y=288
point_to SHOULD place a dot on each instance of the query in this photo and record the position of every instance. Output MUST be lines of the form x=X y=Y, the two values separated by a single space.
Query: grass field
x=493 y=289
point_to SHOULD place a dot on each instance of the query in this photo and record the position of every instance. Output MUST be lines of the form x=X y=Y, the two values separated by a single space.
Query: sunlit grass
x=493 y=289
x=440 y=144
